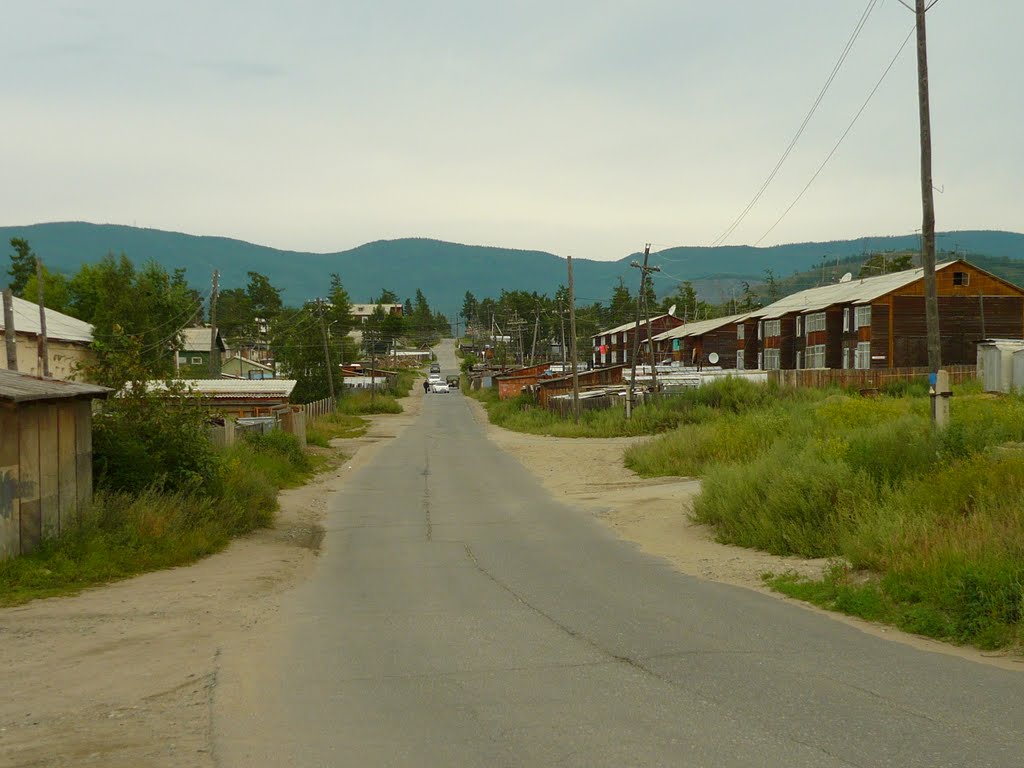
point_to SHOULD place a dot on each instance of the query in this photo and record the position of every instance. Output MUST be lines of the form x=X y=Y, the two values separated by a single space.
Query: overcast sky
x=577 y=127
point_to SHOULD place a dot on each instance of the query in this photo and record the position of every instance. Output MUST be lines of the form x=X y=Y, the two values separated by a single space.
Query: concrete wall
x=65 y=357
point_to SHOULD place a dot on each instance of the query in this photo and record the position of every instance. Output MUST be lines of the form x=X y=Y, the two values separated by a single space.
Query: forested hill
x=445 y=271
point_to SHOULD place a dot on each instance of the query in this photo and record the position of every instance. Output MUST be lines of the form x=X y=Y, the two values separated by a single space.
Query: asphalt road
x=459 y=616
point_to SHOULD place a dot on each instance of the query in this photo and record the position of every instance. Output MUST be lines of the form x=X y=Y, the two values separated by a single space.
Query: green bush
x=142 y=440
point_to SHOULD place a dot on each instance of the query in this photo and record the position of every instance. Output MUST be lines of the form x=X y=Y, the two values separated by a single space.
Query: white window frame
x=772 y=328
x=799 y=360
x=846 y=319
x=964 y=277
x=739 y=360
x=862 y=315
x=814 y=356
x=741 y=331
x=847 y=358
x=862 y=358
x=799 y=326
x=195 y=360
x=772 y=358
x=815 y=322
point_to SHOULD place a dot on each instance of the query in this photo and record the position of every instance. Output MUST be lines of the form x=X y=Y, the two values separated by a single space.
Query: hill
x=445 y=271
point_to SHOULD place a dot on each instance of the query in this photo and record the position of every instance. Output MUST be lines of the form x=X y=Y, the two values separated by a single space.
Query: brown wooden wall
x=45 y=471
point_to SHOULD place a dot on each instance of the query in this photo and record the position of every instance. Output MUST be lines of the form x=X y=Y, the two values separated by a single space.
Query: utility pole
x=650 y=341
x=42 y=346
x=644 y=270
x=572 y=341
x=327 y=348
x=536 y=327
x=931 y=301
x=561 y=321
x=214 y=351
x=9 y=338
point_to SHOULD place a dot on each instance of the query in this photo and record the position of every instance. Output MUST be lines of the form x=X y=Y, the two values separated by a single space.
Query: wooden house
x=45 y=457
x=879 y=322
x=693 y=343
x=69 y=341
x=615 y=345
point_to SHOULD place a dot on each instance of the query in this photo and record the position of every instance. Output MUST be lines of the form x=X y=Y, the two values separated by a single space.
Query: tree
x=689 y=306
x=749 y=300
x=622 y=306
x=236 y=316
x=884 y=263
x=56 y=291
x=23 y=265
x=469 y=307
x=771 y=285
x=387 y=297
x=265 y=298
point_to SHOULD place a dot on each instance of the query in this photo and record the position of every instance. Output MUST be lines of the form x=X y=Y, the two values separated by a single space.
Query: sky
x=579 y=127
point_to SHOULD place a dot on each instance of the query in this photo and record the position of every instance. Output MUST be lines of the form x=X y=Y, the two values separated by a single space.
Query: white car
x=439 y=387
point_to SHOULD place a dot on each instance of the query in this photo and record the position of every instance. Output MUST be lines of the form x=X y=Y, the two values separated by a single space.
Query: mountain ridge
x=445 y=270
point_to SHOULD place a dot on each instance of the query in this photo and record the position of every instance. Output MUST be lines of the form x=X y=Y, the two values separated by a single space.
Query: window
x=760 y=330
x=846 y=319
x=863 y=358
x=739 y=359
x=847 y=358
x=772 y=360
x=772 y=327
x=799 y=327
x=196 y=361
x=862 y=316
x=815 y=322
x=814 y=356
x=799 y=360
x=615 y=357
x=741 y=332
x=961 y=278
x=760 y=361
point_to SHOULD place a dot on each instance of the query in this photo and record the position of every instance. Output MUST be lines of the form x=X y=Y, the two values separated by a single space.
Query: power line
x=841 y=138
x=803 y=126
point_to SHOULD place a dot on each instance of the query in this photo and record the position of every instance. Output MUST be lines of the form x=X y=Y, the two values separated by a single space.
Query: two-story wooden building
x=615 y=345
x=879 y=322
x=693 y=343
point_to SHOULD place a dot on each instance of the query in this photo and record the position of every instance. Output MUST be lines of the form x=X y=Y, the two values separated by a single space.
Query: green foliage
x=23 y=265
x=277 y=455
x=929 y=527
x=364 y=403
x=56 y=290
x=143 y=440
x=321 y=431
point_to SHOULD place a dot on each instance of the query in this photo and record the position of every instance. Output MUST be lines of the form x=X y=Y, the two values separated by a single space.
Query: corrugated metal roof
x=59 y=326
x=198 y=340
x=853 y=292
x=699 y=328
x=20 y=388
x=270 y=388
x=627 y=326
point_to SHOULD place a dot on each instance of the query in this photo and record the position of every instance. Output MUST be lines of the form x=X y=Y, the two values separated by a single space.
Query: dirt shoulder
x=654 y=514
x=124 y=674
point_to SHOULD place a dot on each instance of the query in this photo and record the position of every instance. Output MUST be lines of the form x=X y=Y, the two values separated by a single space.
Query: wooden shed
x=45 y=457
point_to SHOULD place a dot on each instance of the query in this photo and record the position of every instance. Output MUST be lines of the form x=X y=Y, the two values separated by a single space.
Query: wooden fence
x=563 y=406
x=871 y=378
x=319 y=408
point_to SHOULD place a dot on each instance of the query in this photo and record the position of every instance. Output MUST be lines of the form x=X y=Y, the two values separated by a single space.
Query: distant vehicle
x=454 y=382
x=440 y=387
x=435 y=368
x=434 y=378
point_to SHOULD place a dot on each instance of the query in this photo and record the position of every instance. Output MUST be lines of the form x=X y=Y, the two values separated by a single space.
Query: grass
x=122 y=534
x=334 y=425
x=926 y=529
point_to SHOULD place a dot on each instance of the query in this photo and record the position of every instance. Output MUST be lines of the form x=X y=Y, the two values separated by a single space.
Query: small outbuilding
x=45 y=457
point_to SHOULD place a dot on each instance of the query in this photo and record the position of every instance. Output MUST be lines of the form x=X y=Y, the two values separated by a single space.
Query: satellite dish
x=672 y=310
x=713 y=358
x=846 y=278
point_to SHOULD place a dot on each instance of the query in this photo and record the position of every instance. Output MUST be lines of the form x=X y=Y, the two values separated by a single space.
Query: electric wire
x=803 y=126
x=841 y=139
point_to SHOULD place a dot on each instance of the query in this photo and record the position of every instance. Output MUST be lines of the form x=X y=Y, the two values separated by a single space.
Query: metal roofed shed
x=237 y=397
x=69 y=340
x=998 y=363
x=45 y=457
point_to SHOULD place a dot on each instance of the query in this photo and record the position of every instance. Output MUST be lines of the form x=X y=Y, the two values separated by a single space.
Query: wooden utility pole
x=536 y=327
x=572 y=342
x=636 y=328
x=42 y=346
x=931 y=300
x=327 y=348
x=561 y=322
x=650 y=342
x=9 y=338
x=214 y=350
